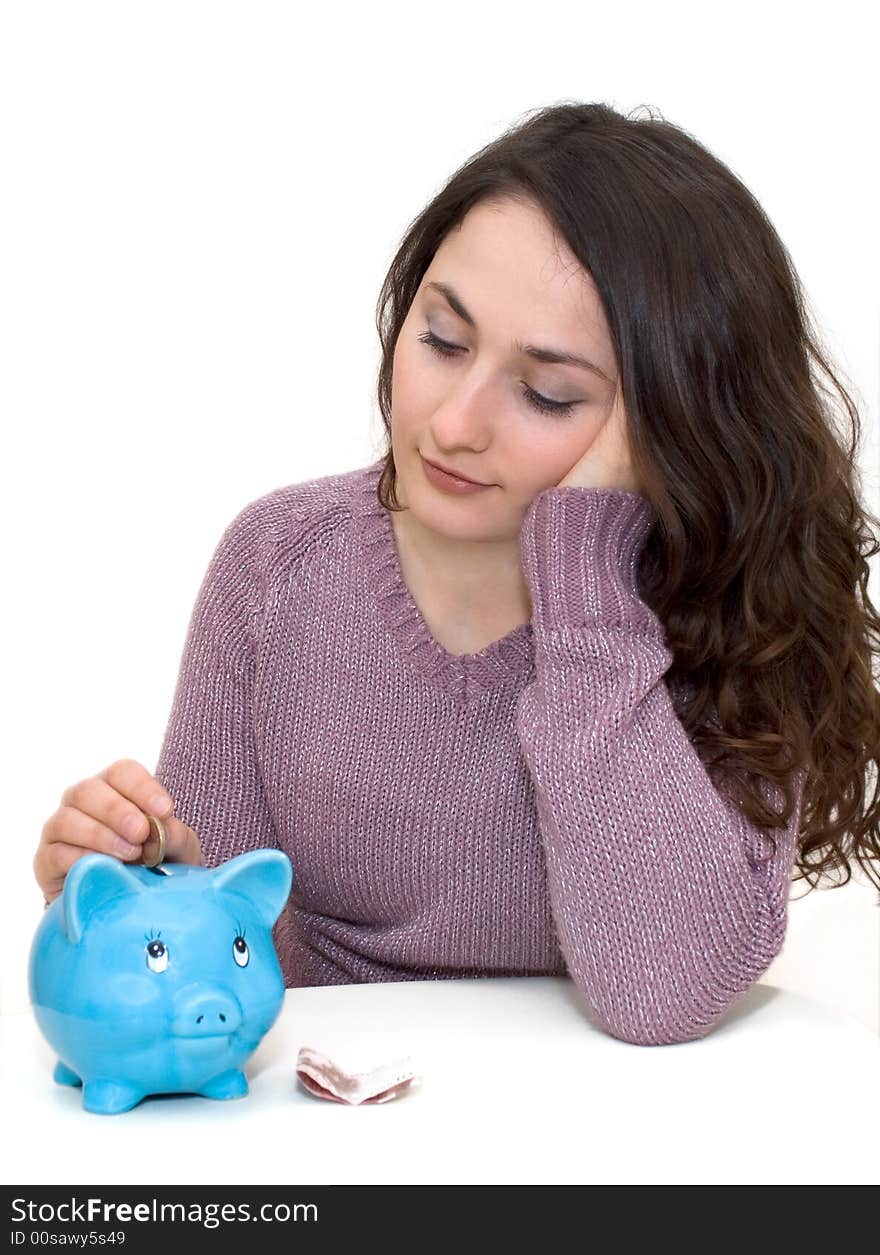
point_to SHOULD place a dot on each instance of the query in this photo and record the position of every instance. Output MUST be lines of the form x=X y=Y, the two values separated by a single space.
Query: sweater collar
x=502 y=663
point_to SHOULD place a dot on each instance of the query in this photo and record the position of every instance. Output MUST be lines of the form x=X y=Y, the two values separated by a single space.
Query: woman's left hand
x=606 y=463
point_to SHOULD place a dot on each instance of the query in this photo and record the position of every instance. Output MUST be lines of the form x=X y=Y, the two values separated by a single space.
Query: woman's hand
x=107 y=814
x=606 y=463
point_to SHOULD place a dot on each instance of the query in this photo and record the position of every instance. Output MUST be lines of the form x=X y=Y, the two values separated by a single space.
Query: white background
x=200 y=202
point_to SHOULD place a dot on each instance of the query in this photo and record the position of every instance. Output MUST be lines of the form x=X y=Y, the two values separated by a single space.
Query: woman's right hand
x=107 y=814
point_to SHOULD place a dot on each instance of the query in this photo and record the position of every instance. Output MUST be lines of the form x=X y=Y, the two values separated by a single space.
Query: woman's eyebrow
x=553 y=356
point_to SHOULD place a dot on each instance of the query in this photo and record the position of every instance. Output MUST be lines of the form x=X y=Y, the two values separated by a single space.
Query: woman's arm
x=662 y=914
x=208 y=759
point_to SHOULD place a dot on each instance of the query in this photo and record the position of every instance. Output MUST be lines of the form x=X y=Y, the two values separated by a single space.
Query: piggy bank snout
x=205 y=1011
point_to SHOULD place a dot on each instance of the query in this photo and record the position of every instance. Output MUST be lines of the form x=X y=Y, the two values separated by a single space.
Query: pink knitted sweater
x=532 y=809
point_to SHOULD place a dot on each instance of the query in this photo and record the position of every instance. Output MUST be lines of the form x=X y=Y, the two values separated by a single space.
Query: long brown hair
x=757 y=563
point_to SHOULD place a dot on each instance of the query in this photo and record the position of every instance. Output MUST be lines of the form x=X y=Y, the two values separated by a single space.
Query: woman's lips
x=450 y=483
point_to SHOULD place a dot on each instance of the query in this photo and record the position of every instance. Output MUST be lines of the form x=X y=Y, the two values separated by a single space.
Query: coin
x=153 y=850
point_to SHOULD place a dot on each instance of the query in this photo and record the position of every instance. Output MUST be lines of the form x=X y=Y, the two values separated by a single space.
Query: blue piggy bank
x=159 y=980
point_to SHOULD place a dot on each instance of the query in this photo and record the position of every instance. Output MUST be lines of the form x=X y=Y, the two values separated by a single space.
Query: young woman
x=586 y=712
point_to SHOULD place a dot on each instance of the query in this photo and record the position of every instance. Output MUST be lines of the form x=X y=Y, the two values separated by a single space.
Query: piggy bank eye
x=240 y=952
x=157 y=956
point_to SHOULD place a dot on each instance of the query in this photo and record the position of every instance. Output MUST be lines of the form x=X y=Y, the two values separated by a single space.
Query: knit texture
x=532 y=809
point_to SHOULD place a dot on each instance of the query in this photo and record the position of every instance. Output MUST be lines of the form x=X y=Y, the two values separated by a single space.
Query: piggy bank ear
x=93 y=880
x=263 y=877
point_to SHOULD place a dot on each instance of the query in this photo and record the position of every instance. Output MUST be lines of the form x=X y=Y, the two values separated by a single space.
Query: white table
x=518 y=1087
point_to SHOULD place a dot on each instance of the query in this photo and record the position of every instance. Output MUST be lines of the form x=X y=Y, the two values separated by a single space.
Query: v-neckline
x=500 y=663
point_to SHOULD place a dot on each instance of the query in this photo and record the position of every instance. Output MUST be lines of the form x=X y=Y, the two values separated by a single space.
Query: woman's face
x=481 y=410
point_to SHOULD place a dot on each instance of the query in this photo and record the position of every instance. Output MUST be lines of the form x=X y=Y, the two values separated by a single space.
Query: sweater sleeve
x=208 y=759
x=666 y=903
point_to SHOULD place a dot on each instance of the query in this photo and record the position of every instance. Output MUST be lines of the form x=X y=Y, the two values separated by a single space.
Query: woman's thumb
x=182 y=845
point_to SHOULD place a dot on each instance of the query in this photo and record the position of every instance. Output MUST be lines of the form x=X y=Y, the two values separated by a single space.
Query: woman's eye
x=439 y=346
x=561 y=409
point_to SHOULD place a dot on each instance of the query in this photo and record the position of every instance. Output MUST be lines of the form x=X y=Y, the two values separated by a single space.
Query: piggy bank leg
x=108 y=1098
x=65 y=1075
x=231 y=1084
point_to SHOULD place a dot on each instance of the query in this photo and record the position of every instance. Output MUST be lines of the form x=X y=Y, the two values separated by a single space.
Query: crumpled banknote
x=325 y=1079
